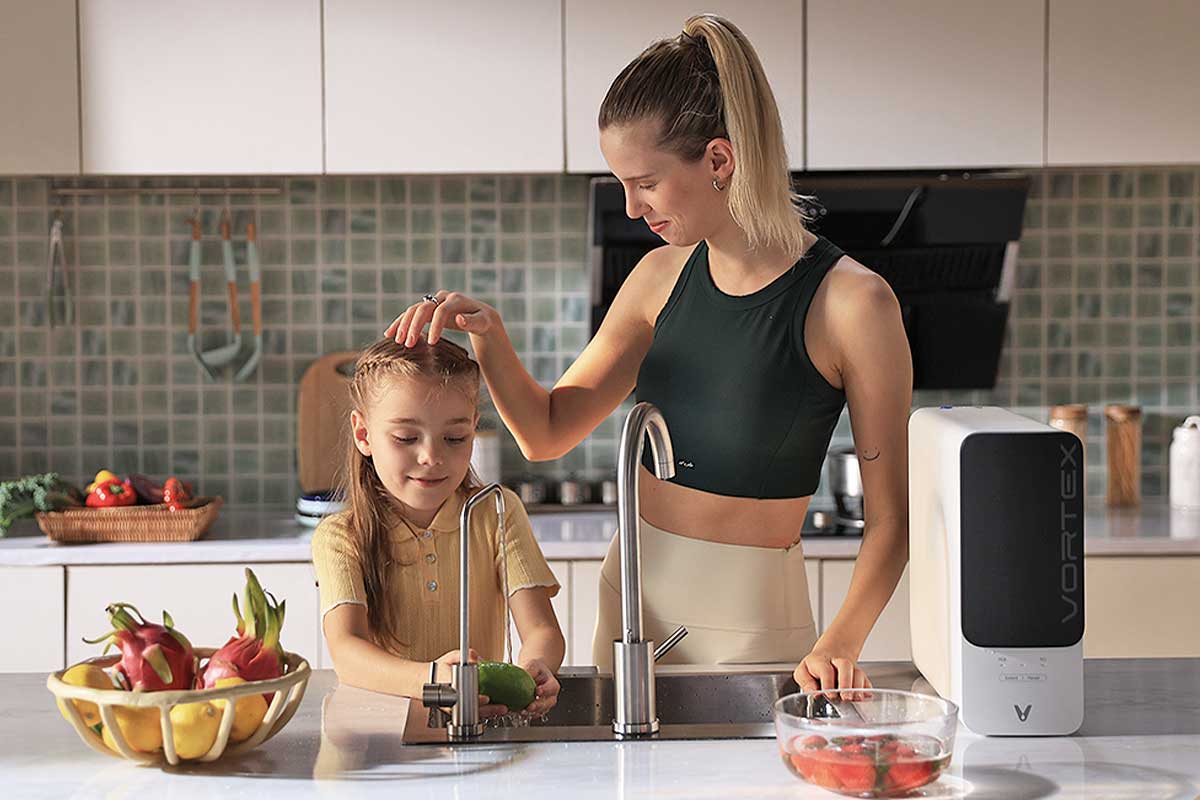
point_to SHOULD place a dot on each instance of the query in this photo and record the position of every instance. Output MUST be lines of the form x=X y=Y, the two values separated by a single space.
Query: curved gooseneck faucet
x=633 y=655
x=462 y=695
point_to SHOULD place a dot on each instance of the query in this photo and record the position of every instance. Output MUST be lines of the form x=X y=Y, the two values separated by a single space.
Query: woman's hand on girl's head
x=452 y=311
x=444 y=662
x=546 y=693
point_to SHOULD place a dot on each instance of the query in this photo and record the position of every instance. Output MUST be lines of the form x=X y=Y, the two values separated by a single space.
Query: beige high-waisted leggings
x=741 y=604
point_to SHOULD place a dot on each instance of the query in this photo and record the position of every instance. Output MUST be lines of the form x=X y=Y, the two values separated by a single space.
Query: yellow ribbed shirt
x=422 y=576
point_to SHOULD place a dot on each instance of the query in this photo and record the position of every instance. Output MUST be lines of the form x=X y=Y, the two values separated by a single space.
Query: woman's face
x=419 y=436
x=675 y=197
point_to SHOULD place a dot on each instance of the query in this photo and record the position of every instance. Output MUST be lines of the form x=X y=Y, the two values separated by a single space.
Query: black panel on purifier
x=1022 y=539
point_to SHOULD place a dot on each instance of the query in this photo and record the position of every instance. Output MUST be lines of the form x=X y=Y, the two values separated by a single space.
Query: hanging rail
x=88 y=191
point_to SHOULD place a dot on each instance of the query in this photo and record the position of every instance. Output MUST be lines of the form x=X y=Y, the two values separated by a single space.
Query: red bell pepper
x=110 y=494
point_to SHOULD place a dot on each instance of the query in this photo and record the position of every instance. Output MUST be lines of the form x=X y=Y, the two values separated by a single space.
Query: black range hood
x=946 y=244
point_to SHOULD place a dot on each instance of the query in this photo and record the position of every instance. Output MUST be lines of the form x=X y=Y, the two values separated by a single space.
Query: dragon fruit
x=255 y=653
x=153 y=657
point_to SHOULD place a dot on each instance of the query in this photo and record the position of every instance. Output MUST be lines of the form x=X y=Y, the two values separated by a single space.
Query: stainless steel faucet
x=634 y=656
x=462 y=694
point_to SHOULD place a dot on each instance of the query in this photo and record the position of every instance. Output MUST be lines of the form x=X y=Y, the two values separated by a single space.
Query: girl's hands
x=452 y=310
x=546 y=693
x=444 y=662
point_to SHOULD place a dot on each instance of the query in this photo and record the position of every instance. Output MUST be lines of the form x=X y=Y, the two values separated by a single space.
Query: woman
x=750 y=334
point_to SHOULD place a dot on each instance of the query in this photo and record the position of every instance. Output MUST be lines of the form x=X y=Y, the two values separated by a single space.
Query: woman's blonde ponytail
x=761 y=199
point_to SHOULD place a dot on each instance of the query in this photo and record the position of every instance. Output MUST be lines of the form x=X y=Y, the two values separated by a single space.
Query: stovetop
x=822 y=523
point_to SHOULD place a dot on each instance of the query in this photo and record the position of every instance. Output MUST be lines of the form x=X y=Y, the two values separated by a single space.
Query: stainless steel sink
x=690 y=706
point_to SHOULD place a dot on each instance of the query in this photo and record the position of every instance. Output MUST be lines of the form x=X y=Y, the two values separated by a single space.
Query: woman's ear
x=719 y=157
x=358 y=429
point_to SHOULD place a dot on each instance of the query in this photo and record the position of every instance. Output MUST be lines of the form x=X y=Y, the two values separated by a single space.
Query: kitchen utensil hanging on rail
x=247 y=369
x=219 y=356
x=56 y=267
x=227 y=353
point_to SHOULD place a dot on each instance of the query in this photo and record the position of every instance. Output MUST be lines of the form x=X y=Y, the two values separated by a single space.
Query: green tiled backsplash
x=1105 y=310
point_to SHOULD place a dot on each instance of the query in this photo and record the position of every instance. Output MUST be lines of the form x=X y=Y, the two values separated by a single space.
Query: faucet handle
x=437 y=695
x=672 y=640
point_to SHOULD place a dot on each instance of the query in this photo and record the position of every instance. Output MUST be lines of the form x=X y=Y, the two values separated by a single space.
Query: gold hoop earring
x=718 y=186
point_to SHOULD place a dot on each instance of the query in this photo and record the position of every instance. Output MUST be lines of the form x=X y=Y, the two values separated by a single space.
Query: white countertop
x=1140 y=737
x=260 y=536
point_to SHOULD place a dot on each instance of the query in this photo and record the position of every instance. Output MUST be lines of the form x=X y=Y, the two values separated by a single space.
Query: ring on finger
x=429 y=298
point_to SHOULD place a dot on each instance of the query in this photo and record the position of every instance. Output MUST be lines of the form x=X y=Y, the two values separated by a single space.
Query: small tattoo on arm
x=867 y=455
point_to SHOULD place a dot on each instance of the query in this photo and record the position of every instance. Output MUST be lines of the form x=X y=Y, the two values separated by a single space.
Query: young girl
x=388 y=566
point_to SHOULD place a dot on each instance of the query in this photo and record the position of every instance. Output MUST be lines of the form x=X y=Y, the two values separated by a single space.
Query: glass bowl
x=866 y=742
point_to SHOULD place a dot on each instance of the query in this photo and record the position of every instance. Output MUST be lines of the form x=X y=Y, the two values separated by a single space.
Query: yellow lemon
x=85 y=675
x=195 y=727
x=140 y=726
x=103 y=476
x=248 y=711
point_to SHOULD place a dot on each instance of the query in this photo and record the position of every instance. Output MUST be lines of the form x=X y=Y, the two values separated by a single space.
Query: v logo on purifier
x=1022 y=714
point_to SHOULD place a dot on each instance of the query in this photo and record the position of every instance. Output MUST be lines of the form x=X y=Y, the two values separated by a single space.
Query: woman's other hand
x=830 y=668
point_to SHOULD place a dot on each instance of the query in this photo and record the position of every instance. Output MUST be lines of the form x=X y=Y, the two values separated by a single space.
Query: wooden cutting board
x=323 y=420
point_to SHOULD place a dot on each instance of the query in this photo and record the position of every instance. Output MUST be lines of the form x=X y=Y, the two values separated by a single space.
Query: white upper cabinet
x=200 y=88
x=415 y=86
x=939 y=83
x=601 y=38
x=1123 y=85
x=39 y=96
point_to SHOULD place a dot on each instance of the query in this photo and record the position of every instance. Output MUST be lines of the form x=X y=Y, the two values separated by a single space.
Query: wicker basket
x=150 y=523
x=287 y=690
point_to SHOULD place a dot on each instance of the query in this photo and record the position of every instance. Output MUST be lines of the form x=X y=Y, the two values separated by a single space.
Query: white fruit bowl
x=286 y=693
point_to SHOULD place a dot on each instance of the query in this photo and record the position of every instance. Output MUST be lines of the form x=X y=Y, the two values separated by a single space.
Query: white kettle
x=485 y=458
x=1184 y=486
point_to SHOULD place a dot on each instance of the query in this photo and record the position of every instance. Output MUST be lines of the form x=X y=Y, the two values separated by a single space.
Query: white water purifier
x=996 y=567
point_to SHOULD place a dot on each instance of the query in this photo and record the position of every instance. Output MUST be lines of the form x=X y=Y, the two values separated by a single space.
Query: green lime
x=506 y=684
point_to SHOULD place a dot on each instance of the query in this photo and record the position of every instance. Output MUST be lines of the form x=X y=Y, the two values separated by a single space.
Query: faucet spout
x=633 y=654
x=464 y=563
x=645 y=419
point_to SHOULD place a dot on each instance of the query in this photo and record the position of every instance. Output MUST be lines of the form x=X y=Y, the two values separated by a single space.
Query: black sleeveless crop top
x=748 y=413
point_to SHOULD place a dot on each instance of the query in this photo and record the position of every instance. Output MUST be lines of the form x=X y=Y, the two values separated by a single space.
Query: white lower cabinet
x=564 y=573
x=585 y=602
x=1141 y=607
x=812 y=571
x=889 y=639
x=35 y=599
x=324 y=659
x=198 y=597
x=562 y=608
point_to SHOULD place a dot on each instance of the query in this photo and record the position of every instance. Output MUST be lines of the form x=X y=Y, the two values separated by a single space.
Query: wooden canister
x=1124 y=443
x=1073 y=418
